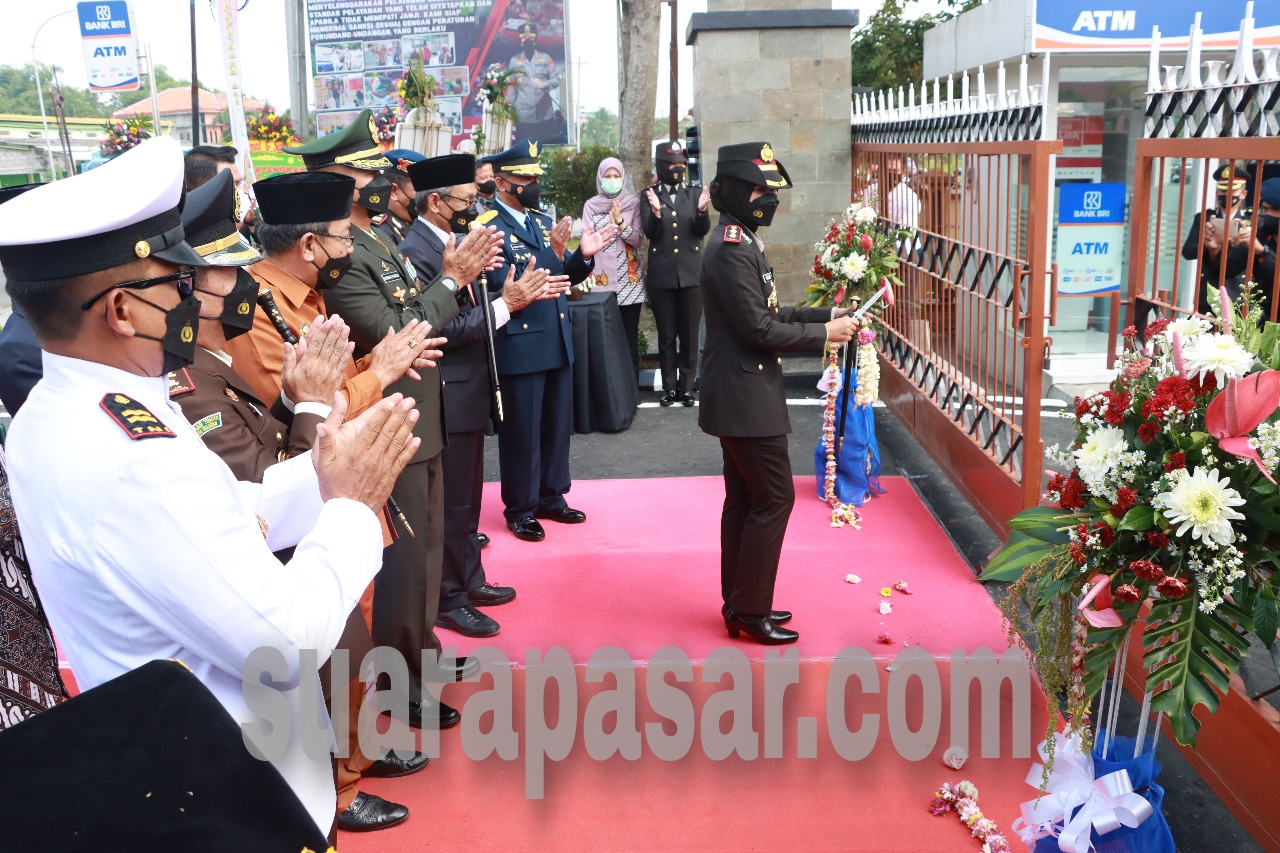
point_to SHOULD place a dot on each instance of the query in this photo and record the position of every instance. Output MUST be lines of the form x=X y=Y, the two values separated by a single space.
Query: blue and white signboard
x=1083 y=25
x=110 y=46
x=1090 y=238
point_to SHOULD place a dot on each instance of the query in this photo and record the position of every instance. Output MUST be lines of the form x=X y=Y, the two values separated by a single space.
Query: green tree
x=601 y=128
x=888 y=51
x=662 y=126
x=571 y=176
x=18 y=94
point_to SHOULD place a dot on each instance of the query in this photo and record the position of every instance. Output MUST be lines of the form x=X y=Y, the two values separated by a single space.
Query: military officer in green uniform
x=381 y=291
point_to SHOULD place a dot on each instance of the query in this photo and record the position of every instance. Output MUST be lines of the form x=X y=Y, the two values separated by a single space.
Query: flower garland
x=271 y=128
x=868 y=390
x=963 y=799
x=841 y=513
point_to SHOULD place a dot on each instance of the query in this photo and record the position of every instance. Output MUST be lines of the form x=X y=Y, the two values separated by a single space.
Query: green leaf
x=1266 y=615
x=1019 y=552
x=1044 y=523
x=1139 y=519
x=1196 y=660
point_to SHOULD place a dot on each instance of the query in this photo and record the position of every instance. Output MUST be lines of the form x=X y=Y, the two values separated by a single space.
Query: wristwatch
x=449 y=283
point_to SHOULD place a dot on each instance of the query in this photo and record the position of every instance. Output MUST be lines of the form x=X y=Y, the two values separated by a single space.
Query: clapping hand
x=653 y=201
x=593 y=241
x=704 y=198
x=399 y=353
x=360 y=460
x=615 y=214
x=464 y=260
x=560 y=235
x=312 y=371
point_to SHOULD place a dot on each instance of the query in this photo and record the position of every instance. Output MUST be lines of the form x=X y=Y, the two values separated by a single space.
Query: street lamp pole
x=44 y=121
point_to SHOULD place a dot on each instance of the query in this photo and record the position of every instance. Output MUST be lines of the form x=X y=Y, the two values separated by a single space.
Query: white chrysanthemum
x=865 y=215
x=1188 y=327
x=1202 y=503
x=1098 y=454
x=1218 y=354
x=854 y=266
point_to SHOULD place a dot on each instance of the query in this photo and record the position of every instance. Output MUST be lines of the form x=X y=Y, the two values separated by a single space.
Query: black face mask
x=460 y=220
x=412 y=208
x=375 y=196
x=179 y=341
x=763 y=209
x=238 y=306
x=487 y=188
x=530 y=48
x=670 y=173
x=527 y=193
x=1268 y=226
x=332 y=271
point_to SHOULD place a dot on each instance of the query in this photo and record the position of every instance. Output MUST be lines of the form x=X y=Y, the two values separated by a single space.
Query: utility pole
x=155 y=102
x=44 y=121
x=675 y=119
x=197 y=137
x=296 y=52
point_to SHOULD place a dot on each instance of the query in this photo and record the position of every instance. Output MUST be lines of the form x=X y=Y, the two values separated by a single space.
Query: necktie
x=530 y=226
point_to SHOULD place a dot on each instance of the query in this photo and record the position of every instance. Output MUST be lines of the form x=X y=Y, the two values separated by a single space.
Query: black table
x=605 y=389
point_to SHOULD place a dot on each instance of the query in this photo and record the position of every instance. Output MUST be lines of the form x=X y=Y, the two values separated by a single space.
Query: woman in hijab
x=618 y=264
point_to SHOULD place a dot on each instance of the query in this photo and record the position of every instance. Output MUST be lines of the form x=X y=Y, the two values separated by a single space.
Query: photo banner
x=360 y=50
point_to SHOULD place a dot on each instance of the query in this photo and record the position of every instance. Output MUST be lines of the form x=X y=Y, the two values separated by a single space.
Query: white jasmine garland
x=1202 y=503
x=1218 y=354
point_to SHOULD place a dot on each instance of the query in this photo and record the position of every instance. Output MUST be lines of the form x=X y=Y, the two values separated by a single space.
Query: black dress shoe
x=468 y=622
x=418 y=711
x=368 y=812
x=669 y=399
x=527 y=528
x=392 y=767
x=490 y=595
x=759 y=628
x=687 y=399
x=483 y=539
x=564 y=515
x=777 y=617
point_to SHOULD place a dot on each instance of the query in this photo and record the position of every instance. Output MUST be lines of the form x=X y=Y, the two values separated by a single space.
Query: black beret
x=301 y=198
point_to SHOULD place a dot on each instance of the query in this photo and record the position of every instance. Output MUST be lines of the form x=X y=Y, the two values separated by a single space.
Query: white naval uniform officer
x=141 y=542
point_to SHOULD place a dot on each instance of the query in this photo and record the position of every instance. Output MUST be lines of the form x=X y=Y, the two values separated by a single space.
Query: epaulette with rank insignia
x=180 y=382
x=134 y=418
x=732 y=234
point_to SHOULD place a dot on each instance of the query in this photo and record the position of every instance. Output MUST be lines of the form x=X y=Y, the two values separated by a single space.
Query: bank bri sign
x=1090 y=238
x=110 y=46
x=1125 y=25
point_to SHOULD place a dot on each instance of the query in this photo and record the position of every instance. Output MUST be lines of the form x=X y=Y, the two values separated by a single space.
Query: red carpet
x=643 y=573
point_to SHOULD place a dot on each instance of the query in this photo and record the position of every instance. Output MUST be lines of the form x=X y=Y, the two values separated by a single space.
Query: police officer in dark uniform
x=1227 y=239
x=744 y=400
x=20 y=360
x=535 y=349
x=401 y=209
x=675 y=220
x=381 y=291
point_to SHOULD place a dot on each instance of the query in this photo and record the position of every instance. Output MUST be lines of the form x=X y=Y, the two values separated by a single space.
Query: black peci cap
x=447 y=171
x=301 y=198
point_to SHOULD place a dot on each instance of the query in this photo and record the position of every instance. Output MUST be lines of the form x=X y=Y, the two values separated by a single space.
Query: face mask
x=1268 y=226
x=611 y=186
x=487 y=188
x=670 y=173
x=530 y=48
x=179 y=341
x=460 y=220
x=332 y=271
x=528 y=193
x=763 y=209
x=412 y=207
x=375 y=196
x=238 y=306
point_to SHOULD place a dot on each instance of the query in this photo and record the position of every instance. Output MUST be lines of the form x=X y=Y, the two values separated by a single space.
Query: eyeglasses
x=184 y=278
x=467 y=201
x=350 y=242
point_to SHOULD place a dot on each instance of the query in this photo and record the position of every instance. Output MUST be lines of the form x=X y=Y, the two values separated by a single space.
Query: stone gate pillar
x=779 y=71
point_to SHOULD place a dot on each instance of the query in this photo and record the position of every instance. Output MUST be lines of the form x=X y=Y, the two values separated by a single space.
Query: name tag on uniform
x=768 y=277
x=389 y=277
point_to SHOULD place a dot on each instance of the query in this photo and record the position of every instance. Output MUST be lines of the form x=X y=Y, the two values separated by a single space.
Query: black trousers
x=406 y=593
x=533 y=440
x=677 y=313
x=631 y=325
x=463 y=463
x=758 y=497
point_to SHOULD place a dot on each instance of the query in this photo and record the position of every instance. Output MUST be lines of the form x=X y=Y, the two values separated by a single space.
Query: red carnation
x=1172 y=587
x=1077 y=553
x=1146 y=569
x=1073 y=493
x=1106 y=535
x=1157 y=539
x=1118 y=405
x=1130 y=331
x=1157 y=327
x=1127 y=592
x=1148 y=431
x=1125 y=499
x=1176 y=461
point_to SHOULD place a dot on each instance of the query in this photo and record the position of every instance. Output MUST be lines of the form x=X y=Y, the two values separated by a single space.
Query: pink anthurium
x=1103 y=615
x=888 y=291
x=1238 y=410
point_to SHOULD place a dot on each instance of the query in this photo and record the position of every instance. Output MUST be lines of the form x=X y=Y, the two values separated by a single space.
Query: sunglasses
x=184 y=278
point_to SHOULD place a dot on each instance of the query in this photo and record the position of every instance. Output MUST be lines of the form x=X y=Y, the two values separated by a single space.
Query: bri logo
x=1119 y=20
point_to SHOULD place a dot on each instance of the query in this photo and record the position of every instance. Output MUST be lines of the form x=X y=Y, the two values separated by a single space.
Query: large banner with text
x=360 y=50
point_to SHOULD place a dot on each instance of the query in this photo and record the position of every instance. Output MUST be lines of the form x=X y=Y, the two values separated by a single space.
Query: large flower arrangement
x=123 y=135
x=1170 y=498
x=416 y=88
x=850 y=263
x=270 y=127
x=491 y=90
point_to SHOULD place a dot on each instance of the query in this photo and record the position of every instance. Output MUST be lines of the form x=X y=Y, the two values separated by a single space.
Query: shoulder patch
x=207 y=424
x=732 y=234
x=180 y=382
x=134 y=418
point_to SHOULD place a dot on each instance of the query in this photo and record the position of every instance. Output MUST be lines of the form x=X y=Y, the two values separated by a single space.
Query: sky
x=164 y=24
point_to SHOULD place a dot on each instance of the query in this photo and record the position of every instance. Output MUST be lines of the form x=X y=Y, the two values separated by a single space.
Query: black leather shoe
x=777 y=617
x=687 y=399
x=564 y=515
x=418 y=711
x=528 y=529
x=491 y=595
x=759 y=628
x=468 y=622
x=392 y=767
x=368 y=812
x=483 y=539
x=669 y=399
